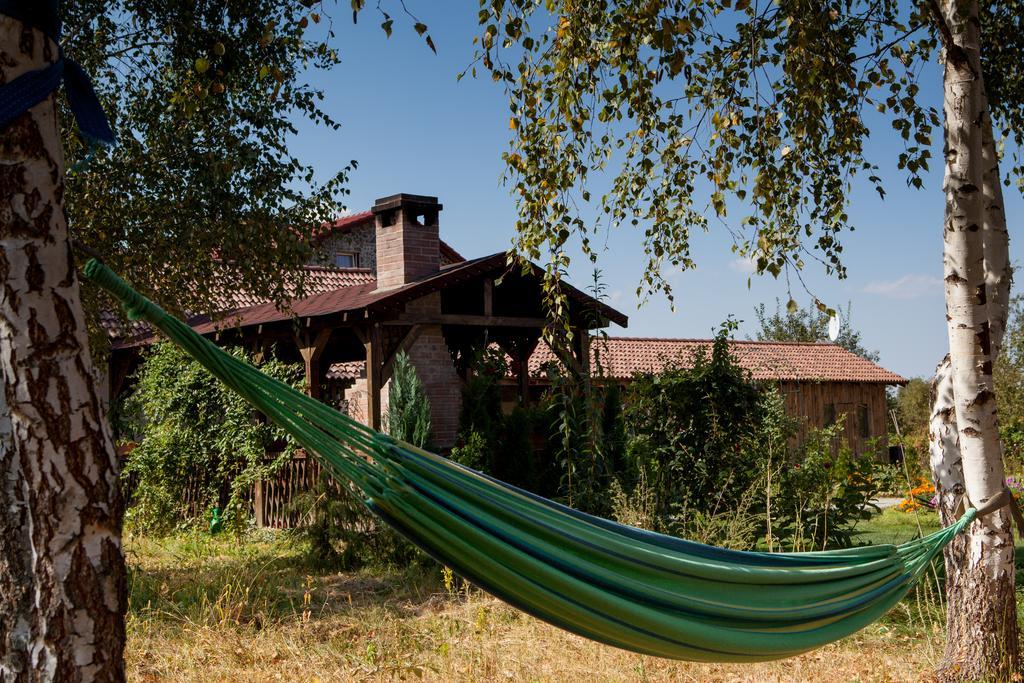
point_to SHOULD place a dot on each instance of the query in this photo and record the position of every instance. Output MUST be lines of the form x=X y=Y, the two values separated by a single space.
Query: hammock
x=619 y=585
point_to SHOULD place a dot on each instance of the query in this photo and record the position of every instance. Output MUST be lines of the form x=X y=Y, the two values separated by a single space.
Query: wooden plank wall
x=809 y=401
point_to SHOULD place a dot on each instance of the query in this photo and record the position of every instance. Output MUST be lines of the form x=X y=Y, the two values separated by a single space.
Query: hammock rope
x=619 y=585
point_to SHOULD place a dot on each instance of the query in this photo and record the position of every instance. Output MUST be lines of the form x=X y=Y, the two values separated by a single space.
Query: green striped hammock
x=612 y=583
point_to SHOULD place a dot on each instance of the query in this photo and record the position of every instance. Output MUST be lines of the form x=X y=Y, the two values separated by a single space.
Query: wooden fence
x=273 y=500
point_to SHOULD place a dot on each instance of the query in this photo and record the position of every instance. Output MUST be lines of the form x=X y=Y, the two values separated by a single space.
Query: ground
x=251 y=609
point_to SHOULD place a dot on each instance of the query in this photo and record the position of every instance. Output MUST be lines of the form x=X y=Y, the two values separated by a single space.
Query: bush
x=342 y=533
x=890 y=480
x=821 y=498
x=689 y=430
x=340 y=530
x=408 y=416
x=195 y=439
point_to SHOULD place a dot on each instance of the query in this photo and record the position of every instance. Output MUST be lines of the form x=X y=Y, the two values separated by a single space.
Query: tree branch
x=954 y=52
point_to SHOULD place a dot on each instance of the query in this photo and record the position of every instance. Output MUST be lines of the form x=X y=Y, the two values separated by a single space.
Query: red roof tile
x=622 y=357
x=346 y=223
x=343 y=224
x=318 y=279
x=353 y=369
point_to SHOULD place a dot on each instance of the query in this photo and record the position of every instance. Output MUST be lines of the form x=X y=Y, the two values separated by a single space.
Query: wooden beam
x=489 y=297
x=373 y=383
x=407 y=341
x=581 y=349
x=525 y=349
x=470 y=320
x=311 y=350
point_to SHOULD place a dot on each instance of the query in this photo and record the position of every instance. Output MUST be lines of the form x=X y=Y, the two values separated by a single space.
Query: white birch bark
x=966 y=453
x=62 y=576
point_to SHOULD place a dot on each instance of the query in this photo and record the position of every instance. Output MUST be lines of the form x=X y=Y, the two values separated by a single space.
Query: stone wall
x=361 y=239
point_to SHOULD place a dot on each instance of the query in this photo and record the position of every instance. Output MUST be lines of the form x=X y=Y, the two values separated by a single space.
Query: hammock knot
x=135 y=305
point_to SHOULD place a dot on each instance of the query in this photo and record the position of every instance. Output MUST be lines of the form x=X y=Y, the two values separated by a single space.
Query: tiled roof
x=343 y=224
x=366 y=297
x=622 y=357
x=319 y=279
x=347 y=223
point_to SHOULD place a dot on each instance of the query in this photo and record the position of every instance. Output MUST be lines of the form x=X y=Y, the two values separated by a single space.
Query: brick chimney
x=407 y=239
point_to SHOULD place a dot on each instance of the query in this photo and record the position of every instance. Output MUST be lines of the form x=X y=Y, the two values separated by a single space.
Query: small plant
x=889 y=479
x=922 y=495
x=342 y=533
x=824 y=494
x=408 y=416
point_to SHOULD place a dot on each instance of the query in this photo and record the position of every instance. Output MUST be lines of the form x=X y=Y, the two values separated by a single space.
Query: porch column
x=374 y=361
x=311 y=349
x=581 y=349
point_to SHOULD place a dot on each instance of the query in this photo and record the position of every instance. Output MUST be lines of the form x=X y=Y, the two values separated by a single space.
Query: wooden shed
x=821 y=382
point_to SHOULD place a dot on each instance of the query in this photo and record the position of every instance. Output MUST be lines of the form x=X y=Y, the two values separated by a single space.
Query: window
x=864 y=421
x=346 y=259
x=830 y=414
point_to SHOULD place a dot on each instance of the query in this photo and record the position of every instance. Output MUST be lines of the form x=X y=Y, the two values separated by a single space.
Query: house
x=390 y=284
x=386 y=283
x=820 y=382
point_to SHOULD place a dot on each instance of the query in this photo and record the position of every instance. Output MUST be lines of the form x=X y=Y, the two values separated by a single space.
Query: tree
x=691 y=113
x=913 y=406
x=809 y=325
x=1009 y=380
x=61 y=571
x=199 y=198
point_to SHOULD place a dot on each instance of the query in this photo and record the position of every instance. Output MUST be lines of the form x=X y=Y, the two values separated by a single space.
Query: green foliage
x=579 y=449
x=481 y=420
x=914 y=406
x=891 y=480
x=809 y=325
x=195 y=434
x=204 y=98
x=202 y=195
x=1009 y=381
x=408 y=415
x=675 y=116
x=342 y=533
x=491 y=441
x=687 y=427
x=819 y=499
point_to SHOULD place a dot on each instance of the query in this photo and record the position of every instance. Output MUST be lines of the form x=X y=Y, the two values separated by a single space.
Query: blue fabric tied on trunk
x=29 y=89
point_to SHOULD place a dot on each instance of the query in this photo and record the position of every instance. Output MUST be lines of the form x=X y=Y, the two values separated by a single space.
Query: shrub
x=342 y=533
x=688 y=430
x=194 y=435
x=890 y=480
x=408 y=415
x=821 y=497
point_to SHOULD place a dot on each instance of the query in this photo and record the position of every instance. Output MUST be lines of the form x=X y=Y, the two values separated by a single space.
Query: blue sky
x=413 y=128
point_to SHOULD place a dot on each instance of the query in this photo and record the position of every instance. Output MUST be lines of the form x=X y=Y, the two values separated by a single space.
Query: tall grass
x=251 y=608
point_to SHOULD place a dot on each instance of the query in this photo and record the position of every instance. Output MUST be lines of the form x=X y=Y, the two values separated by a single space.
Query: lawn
x=252 y=609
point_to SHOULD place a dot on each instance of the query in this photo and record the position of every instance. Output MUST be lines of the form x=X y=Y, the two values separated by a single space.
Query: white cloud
x=744 y=264
x=911 y=286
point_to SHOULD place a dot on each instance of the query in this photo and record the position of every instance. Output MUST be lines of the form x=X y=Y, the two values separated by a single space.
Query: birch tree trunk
x=982 y=638
x=62 y=575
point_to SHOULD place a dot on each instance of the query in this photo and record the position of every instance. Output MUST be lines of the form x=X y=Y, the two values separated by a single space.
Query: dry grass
x=251 y=610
